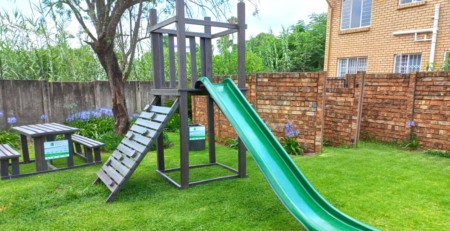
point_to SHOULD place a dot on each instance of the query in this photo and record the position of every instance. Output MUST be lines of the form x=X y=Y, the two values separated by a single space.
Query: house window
x=356 y=13
x=407 y=63
x=351 y=66
x=409 y=1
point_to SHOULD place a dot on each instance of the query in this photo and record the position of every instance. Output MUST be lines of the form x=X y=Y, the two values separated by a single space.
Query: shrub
x=111 y=141
x=289 y=142
x=232 y=143
x=174 y=123
x=10 y=138
x=413 y=143
x=167 y=143
x=436 y=152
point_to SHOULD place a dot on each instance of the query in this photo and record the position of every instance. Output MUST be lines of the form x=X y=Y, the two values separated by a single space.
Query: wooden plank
x=107 y=180
x=211 y=130
x=224 y=33
x=184 y=140
x=208 y=52
x=148 y=124
x=91 y=140
x=143 y=131
x=24 y=144
x=202 y=57
x=61 y=127
x=188 y=33
x=241 y=45
x=141 y=139
x=43 y=128
x=11 y=150
x=83 y=141
x=165 y=92
x=118 y=166
x=134 y=145
x=152 y=116
x=193 y=51
x=113 y=174
x=161 y=63
x=126 y=150
x=127 y=161
x=173 y=77
x=36 y=130
x=155 y=52
x=162 y=24
x=210 y=23
x=23 y=131
x=158 y=109
x=181 y=44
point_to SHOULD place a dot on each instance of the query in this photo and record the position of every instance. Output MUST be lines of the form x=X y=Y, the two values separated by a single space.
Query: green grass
x=376 y=183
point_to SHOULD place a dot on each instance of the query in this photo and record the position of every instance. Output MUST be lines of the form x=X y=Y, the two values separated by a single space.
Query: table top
x=37 y=130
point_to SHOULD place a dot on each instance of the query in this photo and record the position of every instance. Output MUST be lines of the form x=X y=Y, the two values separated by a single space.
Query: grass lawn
x=376 y=184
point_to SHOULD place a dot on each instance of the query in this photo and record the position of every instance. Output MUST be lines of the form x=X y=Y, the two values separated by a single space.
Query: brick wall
x=340 y=104
x=384 y=107
x=279 y=98
x=432 y=109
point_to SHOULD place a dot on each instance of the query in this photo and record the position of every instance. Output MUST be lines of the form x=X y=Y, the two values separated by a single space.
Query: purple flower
x=1 y=113
x=44 y=117
x=131 y=117
x=12 y=120
x=136 y=115
x=411 y=123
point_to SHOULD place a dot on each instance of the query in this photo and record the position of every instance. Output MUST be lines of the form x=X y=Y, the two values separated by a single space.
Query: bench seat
x=6 y=154
x=89 y=145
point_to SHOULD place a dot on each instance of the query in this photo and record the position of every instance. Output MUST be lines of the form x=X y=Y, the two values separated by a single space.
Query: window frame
x=407 y=62
x=348 y=62
x=412 y=1
x=351 y=10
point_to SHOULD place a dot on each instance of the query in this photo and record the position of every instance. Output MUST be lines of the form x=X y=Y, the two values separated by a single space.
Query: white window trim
x=413 y=1
x=407 y=62
x=357 y=59
x=360 y=22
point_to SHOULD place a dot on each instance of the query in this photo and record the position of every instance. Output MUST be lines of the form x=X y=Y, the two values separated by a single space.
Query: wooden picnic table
x=41 y=133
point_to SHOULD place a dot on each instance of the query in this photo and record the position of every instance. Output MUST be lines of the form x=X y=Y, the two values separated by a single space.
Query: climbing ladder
x=133 y=148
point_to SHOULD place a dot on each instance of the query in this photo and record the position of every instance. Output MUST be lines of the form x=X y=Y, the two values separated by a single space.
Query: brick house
x=386 y=36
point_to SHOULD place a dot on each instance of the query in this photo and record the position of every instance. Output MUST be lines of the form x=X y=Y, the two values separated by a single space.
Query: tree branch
x=134 y=41
x=80 y=19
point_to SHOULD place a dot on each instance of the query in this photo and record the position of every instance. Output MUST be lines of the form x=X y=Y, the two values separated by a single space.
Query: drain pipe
x=435 y=31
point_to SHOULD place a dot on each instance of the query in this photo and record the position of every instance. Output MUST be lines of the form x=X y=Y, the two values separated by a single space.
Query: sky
x=273 y=13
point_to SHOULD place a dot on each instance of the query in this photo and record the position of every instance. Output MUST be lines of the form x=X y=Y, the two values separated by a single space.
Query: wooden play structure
x=149 y=127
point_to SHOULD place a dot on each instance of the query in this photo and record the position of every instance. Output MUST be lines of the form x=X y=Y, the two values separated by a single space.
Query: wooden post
x=202 y=57
x=182 y=78
x=241 y=80
x=173 y=78
x=68 y=137
x=25 y=153
x=208 y=52
x=41 y=163
x=156 y=65
x=161 y=60
x=193 y=50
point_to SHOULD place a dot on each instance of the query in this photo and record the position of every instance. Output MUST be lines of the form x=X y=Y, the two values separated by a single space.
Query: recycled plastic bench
x=88 y=145
x=7 y=153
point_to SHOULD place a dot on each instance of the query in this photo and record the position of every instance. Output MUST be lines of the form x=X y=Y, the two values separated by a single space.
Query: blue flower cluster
x=290 y=131
x=44 y=117
x=135 y=116
x=12 y=120
x=95 y=113
x=1 y=113
x=411 y=123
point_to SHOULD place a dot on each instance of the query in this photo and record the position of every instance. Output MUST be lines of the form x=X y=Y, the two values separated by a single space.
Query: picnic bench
x=89 y=145
x=6 y=154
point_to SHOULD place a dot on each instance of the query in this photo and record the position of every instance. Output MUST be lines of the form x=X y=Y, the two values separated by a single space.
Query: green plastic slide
x=286 y=179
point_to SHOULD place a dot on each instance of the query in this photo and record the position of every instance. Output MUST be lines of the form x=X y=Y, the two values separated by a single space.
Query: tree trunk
x=108 y=59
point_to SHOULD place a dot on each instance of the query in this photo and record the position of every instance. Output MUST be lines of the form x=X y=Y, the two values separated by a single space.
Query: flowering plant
x=289 y=142
x=8 y=137
x=413 y=142
x=44 y=117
